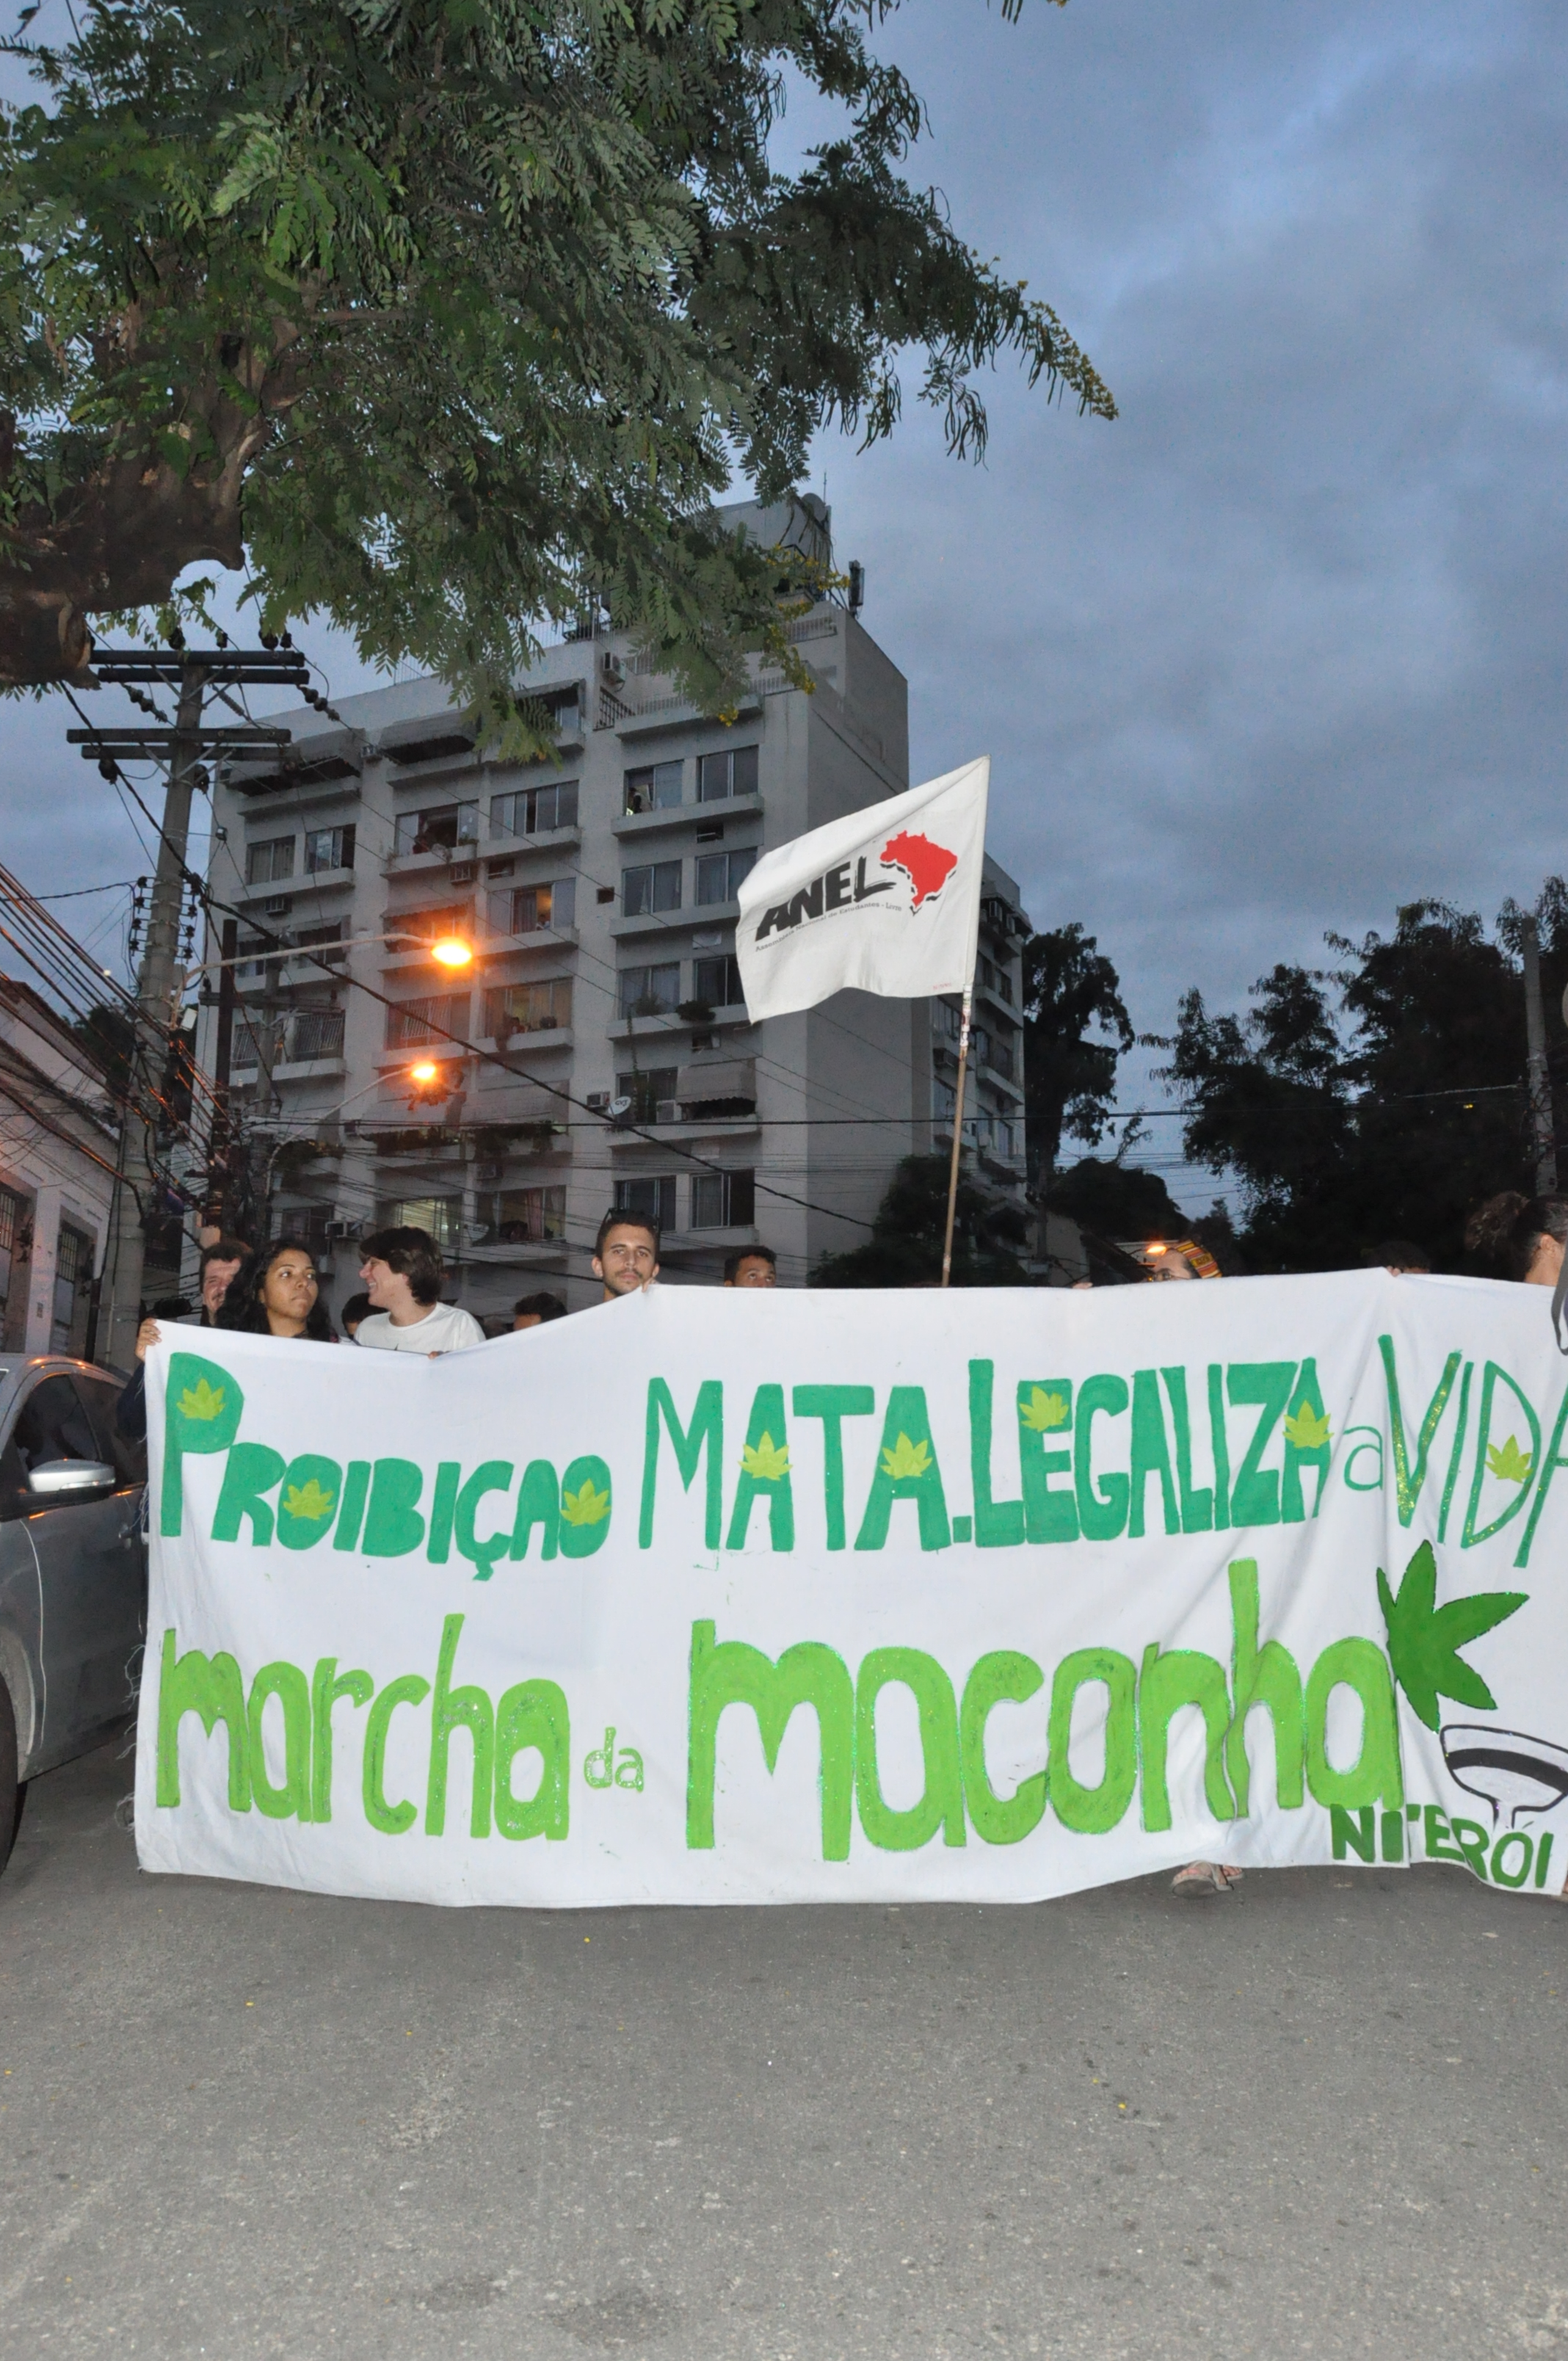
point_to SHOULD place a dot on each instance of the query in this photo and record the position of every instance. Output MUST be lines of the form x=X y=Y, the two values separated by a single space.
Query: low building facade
x=59 y=1143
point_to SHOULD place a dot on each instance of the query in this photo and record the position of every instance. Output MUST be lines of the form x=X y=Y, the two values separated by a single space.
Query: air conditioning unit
x=463 y=872
x=598 y=1101
x=667 y=1111
x=612 y=672
x=278 y=906
x=490 y=1171
x=340 y=1230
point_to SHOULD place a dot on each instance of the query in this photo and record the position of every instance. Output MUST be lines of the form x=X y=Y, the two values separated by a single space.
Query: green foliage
x=1424 y=1639
x=456 y=317
x=1382 y=1099
x=905 y=1249
x=1071 y=993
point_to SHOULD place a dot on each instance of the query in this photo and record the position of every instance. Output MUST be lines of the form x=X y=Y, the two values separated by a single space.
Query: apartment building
x=597 y=1050
x=57 y=1149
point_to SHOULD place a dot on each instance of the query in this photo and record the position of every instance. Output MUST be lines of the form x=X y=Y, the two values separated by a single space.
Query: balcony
x=698 y=914
x=687 y=815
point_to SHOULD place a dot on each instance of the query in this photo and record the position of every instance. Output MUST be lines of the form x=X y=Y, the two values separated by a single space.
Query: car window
x=99 y=1396
x=53 y=1423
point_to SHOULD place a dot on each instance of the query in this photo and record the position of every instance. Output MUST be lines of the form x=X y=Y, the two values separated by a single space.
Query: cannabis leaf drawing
x=1043 y=1411
x=204 y=1401
x=905 y=1459
x=586 y=1507
x=1506 y=1460
x=1307 y=1431
x=767 y=1462
x=1424 y=1639
x=309 y=1501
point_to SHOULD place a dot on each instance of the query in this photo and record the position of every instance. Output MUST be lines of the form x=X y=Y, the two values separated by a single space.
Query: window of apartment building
x=719 y=875
x=410 y=1022
x=716 y=982
x=534 y=811
x=441 y=830
x=73 y=1290
x=271 y=859
x=440 y=1217
x=527 y=1216
x=325 y=941
x=649 y=991
x=649 y=889
x=997 y=1053
x=530 y=909
x=648 y=1091
x=329 y=848
x=723 y=1201
x=543 y=1006
x=650 y=1195
x=1000 y=982
x=411 y=928
x=733 y=772
x=253 y=967
x=12 y=1210
x=315 y=1033
x=656 y=787
x=302 y=1225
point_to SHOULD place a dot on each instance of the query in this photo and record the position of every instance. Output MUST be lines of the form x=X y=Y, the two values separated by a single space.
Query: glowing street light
x=451 y=951
x=425 y=1073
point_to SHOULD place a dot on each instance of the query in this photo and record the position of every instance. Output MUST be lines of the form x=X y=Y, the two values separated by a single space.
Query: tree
x=905 y=1249
x=1383 y=1099
x=1071 y=992
x=453 y=318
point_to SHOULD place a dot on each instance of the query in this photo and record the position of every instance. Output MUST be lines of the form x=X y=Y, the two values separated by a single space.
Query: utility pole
x=1543 y=1129
x=161 y=981
x=156 y=990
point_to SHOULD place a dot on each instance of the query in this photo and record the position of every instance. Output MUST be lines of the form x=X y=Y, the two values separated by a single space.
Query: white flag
x=885 y=900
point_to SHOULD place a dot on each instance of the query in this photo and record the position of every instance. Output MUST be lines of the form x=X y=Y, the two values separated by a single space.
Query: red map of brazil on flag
x=927 y=866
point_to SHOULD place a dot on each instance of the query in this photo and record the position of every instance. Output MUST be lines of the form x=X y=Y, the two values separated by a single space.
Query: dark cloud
x=1281 y=647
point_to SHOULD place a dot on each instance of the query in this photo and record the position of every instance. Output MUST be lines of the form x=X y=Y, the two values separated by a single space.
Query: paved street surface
x=1324 y=2117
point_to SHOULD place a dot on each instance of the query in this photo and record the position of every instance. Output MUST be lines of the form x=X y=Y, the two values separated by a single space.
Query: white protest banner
x=709 y=1597
x=886 y=900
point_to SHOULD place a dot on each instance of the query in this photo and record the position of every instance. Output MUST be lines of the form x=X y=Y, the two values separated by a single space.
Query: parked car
x=73 y=1570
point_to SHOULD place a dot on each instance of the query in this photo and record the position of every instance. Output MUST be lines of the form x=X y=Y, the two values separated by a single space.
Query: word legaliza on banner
x=987 y=1596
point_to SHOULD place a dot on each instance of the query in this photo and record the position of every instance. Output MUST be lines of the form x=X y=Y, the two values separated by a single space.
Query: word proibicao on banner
x=989 y=1596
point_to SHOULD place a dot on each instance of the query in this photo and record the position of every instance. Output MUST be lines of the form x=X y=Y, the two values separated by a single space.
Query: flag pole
x=958 y=1134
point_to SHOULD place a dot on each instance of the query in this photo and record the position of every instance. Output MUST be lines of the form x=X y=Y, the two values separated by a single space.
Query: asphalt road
x=1323 y=2116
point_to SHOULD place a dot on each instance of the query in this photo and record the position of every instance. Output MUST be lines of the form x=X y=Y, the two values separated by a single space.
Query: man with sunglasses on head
x=626 y=1253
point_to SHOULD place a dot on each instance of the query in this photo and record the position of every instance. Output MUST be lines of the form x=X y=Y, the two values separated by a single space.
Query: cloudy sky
x=1280 y=647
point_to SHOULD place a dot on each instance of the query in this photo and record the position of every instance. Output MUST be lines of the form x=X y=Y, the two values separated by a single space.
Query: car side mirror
x=68 y=1479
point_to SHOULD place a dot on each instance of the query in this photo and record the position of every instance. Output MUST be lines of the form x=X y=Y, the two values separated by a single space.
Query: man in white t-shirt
x=402 y=1274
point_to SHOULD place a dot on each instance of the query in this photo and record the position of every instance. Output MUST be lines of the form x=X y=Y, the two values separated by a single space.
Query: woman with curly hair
x=280 y=1296
x=1525 y=1235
